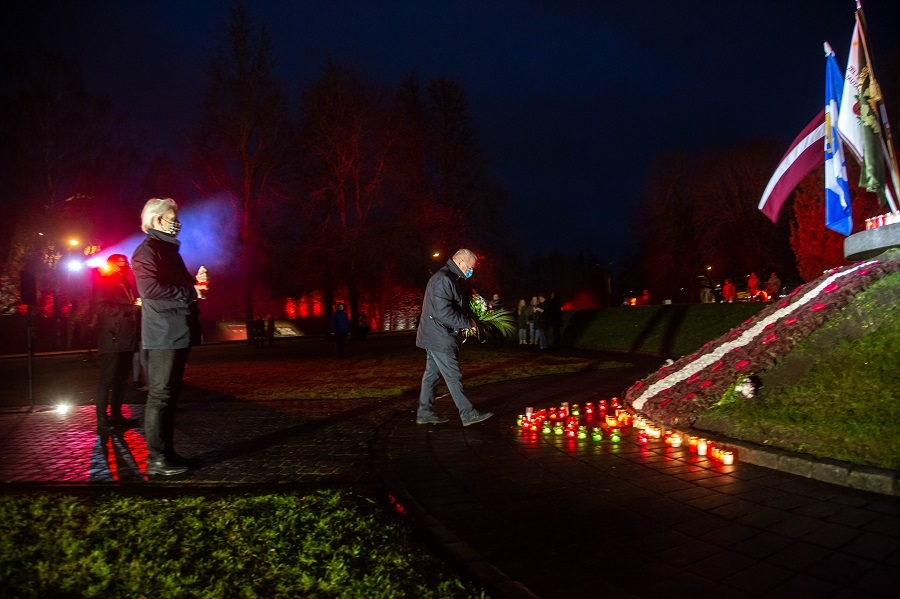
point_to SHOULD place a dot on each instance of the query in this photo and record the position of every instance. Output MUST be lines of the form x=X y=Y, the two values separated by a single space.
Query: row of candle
x=647 y=430
x=888 y=218
x=565 y=421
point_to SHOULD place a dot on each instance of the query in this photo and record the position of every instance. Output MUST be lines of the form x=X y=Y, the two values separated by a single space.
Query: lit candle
x=614 y=403
x=529 y=412
x=692 y=443
x=614 y=435
x=558 y=429
x=642 y=438
x=576 y=411
x=564 y=408
x=701 y=447
x=582 y=432
x=675 y=440
x=546 y=428
x=728 y=458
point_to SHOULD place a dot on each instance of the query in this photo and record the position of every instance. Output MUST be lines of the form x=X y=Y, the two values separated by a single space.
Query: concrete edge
x=845 y=474
x=449 y=546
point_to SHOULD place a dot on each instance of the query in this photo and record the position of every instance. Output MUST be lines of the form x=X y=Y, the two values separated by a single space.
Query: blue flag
x=838 y=215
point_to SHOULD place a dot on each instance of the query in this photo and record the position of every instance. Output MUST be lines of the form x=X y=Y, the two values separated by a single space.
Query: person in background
x=541 y=321
x=340 y=328
x=270 y=329
x=445 y=314
x=554 y=319
x=752 y=285
x=530 y=316
x=773 y=287
x=522 y=319
x=729 y=292
x=116 y=308
x=170 y=325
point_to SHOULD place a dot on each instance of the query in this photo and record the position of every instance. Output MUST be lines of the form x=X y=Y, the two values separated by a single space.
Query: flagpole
x=887 y=142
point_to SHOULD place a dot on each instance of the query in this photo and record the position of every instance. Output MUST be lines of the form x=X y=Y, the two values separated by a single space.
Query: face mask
x=174 y=227
x=468 y=273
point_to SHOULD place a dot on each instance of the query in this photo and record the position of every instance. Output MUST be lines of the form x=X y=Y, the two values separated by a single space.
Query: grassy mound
x=835 y=394
x=822 y=361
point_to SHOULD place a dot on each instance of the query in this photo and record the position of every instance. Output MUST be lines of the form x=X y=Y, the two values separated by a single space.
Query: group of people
x=163 y=313
x=536 y=318
x=754 y=293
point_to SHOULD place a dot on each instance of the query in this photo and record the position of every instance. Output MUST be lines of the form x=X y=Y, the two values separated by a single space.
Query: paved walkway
x=526 y=514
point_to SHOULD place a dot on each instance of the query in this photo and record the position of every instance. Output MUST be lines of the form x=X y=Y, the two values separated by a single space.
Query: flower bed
x=677 y=393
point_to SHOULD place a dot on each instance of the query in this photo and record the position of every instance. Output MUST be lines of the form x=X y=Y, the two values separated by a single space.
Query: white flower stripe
x=746 y=337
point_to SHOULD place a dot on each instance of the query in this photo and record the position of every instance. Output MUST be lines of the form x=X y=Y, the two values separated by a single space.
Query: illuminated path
x=526 y=515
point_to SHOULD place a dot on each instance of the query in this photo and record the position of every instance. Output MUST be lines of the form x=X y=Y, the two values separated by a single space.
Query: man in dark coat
x=445 y=314
x=116 y=310
x=169 y=327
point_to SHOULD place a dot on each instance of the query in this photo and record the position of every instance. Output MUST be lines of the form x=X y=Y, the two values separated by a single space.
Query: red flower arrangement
x=752 y=347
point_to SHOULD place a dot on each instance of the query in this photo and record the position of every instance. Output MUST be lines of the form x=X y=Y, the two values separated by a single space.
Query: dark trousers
x=114 y=368
x=340 y=338
x=166 y=371
x=446 y=365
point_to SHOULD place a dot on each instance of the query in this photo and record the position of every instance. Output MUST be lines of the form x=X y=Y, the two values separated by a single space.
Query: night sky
x=573 y=100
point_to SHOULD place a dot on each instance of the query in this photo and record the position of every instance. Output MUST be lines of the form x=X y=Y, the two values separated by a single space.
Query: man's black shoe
x=105 y=427
x=432 y=419
x=478 y=417
x=164 y=468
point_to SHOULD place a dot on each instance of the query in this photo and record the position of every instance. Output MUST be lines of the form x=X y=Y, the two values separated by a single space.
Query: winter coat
x=116 y=314
x=340 y=322
x=445 y=311
x=170 y=316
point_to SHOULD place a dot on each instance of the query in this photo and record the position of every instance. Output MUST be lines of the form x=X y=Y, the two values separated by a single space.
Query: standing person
x=530 y=316
x=116 y=309
x=729 y=292
x=554 y=319
x=495 y=304
x=340 y=328
x=752 y=286
x=445 y=314
x=541 y=320
x=522 y=319
x=773 y=287
x=169 y=327
x=270 y=329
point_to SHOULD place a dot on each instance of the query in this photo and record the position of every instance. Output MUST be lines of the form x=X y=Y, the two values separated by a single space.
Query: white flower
x=746 y=388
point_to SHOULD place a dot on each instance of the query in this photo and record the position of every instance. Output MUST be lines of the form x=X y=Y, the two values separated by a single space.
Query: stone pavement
x=524 y=514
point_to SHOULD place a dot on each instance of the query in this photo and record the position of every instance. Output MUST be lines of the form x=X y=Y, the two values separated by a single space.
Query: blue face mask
x=468 y=273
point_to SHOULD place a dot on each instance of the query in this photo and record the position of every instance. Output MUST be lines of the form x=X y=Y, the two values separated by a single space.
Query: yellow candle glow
x=701 y=447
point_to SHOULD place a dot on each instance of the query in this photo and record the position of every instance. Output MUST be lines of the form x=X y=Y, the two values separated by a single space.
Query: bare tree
x=67 y=162
x=244 y=134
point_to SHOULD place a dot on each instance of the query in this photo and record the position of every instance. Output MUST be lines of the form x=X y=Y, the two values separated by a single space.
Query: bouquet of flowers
x=488 y=320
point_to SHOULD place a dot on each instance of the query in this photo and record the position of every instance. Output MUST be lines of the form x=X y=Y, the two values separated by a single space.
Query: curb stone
x=836 y=472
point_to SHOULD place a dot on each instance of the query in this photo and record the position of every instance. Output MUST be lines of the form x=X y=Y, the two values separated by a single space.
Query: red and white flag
x=803 y=156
